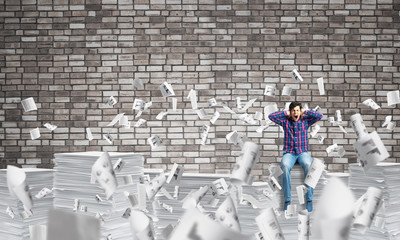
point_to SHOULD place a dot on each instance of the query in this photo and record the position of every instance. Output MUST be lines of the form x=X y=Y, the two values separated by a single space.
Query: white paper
x=269 y=225
x=270 y=91
x=174 y=104
x=196 y=226
x=167 y=90
x=154 y=142
x=228 y=109
x=155 y=185
x=238 y=103
x=331 y=120
x=262 y=128
x=124 y=122
x=227 y=215
x=334 y=212
x=38 y=232
x=18 y=186
x=270 y=109
x=116 y=119
x=166 y=193
x=314 y=172
x=317 y=108
x=367 y=210
x=258 y=116
x=161 y=115
x=137 y=83
x=215 y=117
x=89 y=134
x=141 y=105
x=35 y=133
x=77 y=203
x=301 y=191
x=176 y=192
x=193 y=199
x=139 y=122
x=29 y=104
x=50 y=126
x=212 y=102
x=274 y=170
x=303 y=225
x=335 y=151
x=111 y=101
x=321 y=88
x=233 y=137
x=370 y=150
x=388 y=119
x=204 y=133
x=193 y=98
x=371 y=103
x=315 y=130
x=43 y=193
x=358 y=126
x=175 y=174
x=342 y=129
x=338 y=116
x=291 y=211
x=296 y=76
x=244 y=163
x=393 y=97
x=273 y=183
x=103 y=173
x=10 y=212
x=247 y=118
x=141 y=196
x=201 y=113
x=64 y=225
x=286 y=91
x=259 y=236
x=219 y=186
x=248 y=105
x=119 y=165
x=108 y=138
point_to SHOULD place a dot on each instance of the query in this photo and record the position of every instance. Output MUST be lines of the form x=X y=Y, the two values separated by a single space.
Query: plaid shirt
x=296 y=137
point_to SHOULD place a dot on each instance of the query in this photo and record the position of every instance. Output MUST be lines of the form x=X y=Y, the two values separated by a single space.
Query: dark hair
x=294 y=104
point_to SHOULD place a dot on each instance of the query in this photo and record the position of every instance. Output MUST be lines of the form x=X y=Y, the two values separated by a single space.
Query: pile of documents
x=15 y=223
x=74 y=191
x=384 y=176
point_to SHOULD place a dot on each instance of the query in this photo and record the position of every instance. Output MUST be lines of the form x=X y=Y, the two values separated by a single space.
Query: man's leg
x=305 y=161
x=287 y=163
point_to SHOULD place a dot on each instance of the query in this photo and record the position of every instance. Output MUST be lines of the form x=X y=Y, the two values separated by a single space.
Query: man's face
x=295 y=113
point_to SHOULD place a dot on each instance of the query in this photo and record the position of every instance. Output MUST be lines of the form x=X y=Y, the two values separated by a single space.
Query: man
x=295 y=123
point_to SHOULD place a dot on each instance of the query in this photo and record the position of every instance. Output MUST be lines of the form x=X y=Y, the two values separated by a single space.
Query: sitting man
x=295 y=144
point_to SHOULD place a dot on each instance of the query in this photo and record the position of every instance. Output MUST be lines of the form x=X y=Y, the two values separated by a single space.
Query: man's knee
x=285 y=166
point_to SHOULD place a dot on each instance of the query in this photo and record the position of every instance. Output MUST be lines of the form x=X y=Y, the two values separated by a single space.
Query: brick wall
x=71 y=55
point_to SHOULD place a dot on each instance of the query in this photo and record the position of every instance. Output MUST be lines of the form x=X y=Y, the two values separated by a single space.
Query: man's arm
x=312 y=116
x=278 y=117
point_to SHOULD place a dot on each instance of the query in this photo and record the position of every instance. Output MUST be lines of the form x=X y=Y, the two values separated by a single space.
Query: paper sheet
x=43 y=193
x=244 y=163
x=321 y=88
x=111 y=101
x=291 y=211
x=29 y=104
x=201 y=113
x=215 y=117
x=314 y=172
x=269 y=225
x=320 y=139
x=50 y=126
x=167 y=90
x=116 y=119
x=219 y=186
x=155 y=185
x=227 y=215
x=137 y=83
x=193 y=199
x=358 y=126
x=296 y=76
x=18 y=186
x=303 y=225
x=301 y=191
x=108 y=138
x=393 y=97
x=248 y=105
x=238 y=103
x=103 y=173
x=338 y=117
x=371 y=103
x=10 y=212
x=175 y=174
x=124 y=122
x=35 y=133
x=315 y=130
x=161 y=115
x=204 y=133
x=212 y=102
x=139 y=122
x=174 y=104
x=154 y=142
x=271 y=108
x=193 y=98
x=365 y=213
x=270 y=91
x=89 y=134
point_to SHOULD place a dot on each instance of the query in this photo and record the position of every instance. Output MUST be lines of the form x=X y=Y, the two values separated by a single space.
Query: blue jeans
x=287 y=163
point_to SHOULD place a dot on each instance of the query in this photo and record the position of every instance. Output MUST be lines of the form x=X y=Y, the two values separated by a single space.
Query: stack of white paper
x=18 y=226
x=384 y=176
x=74 y=191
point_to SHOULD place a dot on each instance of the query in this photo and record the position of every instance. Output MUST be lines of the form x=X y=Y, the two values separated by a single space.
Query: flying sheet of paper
x=370 y=103
x=244 y=163
x=18 y=186
x=38 y=232
x=269 y=225
x=111 y=101
x=204 y=133
x=247 y=118
x=274 y=170
x=35 y=133
x=10 y=212
x=291 y=211
x=315 y=130
x=320 y=139
x=296 y=76
x=161 y=115
x=124 y=122
x=393 y=97
x=303 y=225
x=321 y=88
x=259 y=236
x=212 y=102
x=139 y=122
x=155 y=185
x=338 y=116
x=331 y=120
x=164 y=192
x=62 y=225
x=370 y=150
x=273 y=183
x=227 y=215
x=301 y=191
x=219 y=186
x=342 y=129
x=176 y=174
x=174 y=104
x=116 y=119
x=103 y=173
x=258 y=116
x=108 y=138
x=233 y=137
x=248 y=105
x=238 y=103
x=262 y=128
x=388 y=123
x=201 y=113
x=314 y=172
x=194 y=198
x=358 y=126
x=366 y=211
x=193 y=98
x=119 y=165
x=141 y=105
x=176 y=192
x=335 y=151
x=270 y=91
x=29 y=104
x=137 y=83
x=154 y=142
x=167 y=90
x=43 y=193
x=215 y=117
x=196 y=226
x=89 y=134
x=334 y=212
x=271 y=108
x=50 y=126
